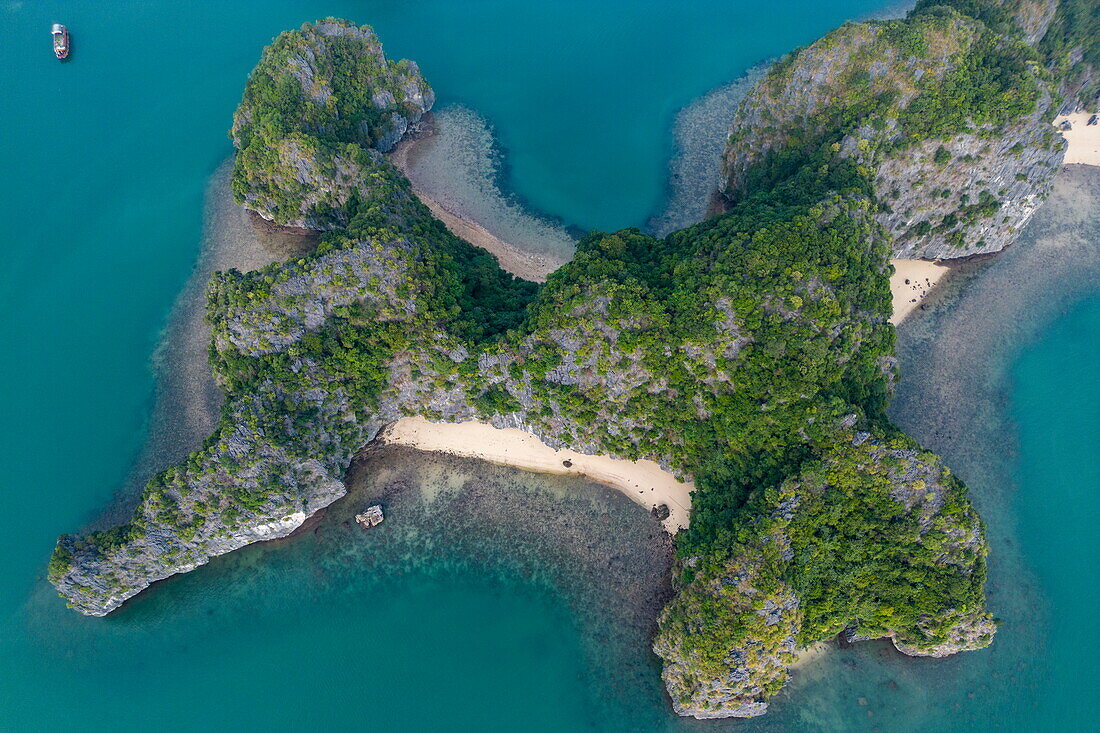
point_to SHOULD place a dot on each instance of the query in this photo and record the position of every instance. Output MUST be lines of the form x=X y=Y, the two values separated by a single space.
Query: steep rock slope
x=751 y=353
x=319 y=100
x=947 y=118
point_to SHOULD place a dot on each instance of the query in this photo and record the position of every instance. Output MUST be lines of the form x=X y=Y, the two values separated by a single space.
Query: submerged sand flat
x=526 y=265
x=645 y=482
x=1083 y=139
x=911 y=283
x=533 y=259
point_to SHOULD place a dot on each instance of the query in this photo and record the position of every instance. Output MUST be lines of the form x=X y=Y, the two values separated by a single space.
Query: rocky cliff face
x=318 y=354
x=948 y=120
x=319 y=100
x=750 y=353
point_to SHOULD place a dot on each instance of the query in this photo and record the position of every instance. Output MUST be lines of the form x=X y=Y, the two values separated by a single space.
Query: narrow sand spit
x=643 y=481
x=1083 y=138
x=911 y=282
x=527 y=265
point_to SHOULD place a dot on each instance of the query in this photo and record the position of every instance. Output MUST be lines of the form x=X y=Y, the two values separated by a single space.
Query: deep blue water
x=105 y=162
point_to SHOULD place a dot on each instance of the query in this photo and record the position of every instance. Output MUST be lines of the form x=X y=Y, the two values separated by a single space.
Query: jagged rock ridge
x=949 y=120
x=750 y=353
x=319 y=102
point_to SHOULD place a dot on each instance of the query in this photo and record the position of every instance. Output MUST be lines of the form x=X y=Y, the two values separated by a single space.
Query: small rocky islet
x=750 y=353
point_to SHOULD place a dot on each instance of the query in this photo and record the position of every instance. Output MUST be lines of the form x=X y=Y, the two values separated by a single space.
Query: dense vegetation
x=804 y=290
x=945 y=75
x=320 y=100
x=751 y=352
x=1069 y=45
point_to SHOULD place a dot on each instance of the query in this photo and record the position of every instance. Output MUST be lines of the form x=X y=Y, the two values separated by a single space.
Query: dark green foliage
x=313 y=108
x=990 y=84
x=997 y=15
x=349 y=73
x=804 y=275
x=861 y=558
x=496 y=401
x=61 y=561
x=732 y=349
x=1070 y=48
x=115 y=537
x=837 y=535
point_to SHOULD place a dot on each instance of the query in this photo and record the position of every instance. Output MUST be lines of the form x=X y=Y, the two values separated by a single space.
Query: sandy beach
x=526 y=265
x=643 y=481
x=911 y=283
x=1083 y=139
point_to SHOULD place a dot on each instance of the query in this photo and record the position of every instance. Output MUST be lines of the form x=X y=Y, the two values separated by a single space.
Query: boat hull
x=60 y=41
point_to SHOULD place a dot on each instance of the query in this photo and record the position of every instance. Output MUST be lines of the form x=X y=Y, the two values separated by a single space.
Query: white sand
x=1083 y=139
x=911 y=283
x=643 y=481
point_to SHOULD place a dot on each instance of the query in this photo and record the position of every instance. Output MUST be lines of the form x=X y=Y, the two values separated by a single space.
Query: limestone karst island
x=732 y=378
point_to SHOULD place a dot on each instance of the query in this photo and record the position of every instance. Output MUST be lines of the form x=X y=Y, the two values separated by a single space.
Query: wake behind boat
x=60 y=41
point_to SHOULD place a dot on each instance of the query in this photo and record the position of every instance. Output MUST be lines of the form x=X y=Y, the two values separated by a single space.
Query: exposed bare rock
x=957 y=161
x=305 y=155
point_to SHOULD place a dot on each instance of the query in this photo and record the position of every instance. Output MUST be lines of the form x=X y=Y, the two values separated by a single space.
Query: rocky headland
x=750 y=354
x=319 y=107
x=949 y=120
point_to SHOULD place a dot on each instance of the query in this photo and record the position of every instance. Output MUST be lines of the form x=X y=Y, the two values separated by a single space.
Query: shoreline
x=957 y=396
x=186 y=388
x=644 y=482
x=1082 y=141
x=513 y=259
x=186 y=401
x=912 y=282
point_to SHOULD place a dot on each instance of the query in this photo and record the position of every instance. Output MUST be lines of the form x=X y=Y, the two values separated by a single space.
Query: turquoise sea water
x=497 y=627
x=1056 y=406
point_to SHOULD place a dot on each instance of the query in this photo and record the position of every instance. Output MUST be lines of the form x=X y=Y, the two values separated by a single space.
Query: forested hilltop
x=1065 y=34
x=319 y=104
x=750 y=353
x=947 y=114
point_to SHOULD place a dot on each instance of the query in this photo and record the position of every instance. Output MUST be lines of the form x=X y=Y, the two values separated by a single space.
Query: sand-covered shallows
x=643 y=481
x=552 y=532
x=532 y=555
x=186 y=403
x=454 y=167
x=955 y=360
x=698 y=141
x=497 y=530
x=481 y=578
